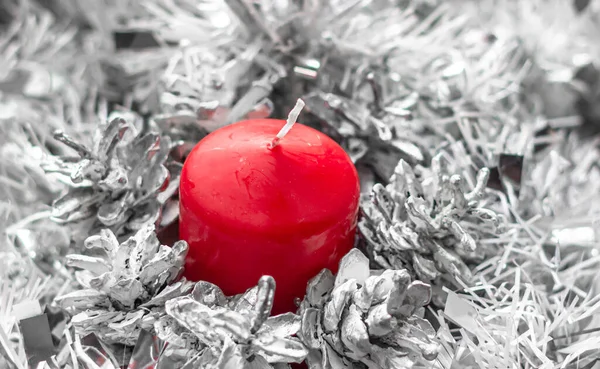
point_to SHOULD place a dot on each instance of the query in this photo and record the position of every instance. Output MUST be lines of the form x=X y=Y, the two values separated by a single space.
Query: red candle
x=252 y=204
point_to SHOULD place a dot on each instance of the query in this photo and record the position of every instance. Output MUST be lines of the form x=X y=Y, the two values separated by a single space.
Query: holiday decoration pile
x=472 y=125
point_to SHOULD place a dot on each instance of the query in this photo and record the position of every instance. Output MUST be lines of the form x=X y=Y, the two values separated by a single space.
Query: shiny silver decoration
x=208 y=330
x=35 y=329
x=146 y=352
x=389 y=80
x=363 y=318
x=122 y=182
x=427 y=221
x=125 y=285
x=14 y=351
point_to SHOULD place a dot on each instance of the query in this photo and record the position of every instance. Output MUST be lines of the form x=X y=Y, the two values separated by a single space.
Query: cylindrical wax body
x=249 y=210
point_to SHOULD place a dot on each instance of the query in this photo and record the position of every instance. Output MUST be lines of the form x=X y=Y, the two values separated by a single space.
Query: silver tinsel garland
x=472 y=124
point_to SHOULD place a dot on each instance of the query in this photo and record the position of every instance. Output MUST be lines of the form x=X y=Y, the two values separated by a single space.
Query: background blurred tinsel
x=473 y=124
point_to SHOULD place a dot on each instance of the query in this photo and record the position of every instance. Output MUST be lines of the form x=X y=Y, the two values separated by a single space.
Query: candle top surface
x=232 y=177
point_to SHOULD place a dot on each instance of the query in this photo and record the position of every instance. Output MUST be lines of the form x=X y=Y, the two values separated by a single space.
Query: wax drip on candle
x=291 y=120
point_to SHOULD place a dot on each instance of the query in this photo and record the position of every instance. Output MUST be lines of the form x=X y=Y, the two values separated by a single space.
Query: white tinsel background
x=473 y=125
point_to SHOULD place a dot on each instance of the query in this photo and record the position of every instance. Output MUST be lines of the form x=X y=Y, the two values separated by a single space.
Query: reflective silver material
x=126 y=286
x=366 y=318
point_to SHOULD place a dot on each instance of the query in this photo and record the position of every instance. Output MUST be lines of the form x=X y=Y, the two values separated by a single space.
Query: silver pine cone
x=209 y=330
x=366 y=319
x=126 y=286
x=426 y=222
x=122 y=183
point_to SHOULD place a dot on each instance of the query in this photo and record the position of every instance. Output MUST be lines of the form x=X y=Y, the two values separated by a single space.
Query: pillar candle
x=267 y=197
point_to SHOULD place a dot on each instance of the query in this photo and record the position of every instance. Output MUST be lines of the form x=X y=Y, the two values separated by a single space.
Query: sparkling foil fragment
x=146 y=351
x=35 y=329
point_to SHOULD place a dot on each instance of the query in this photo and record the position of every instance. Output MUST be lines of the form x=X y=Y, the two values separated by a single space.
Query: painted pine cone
x=207 y=329
x=427 y=223
x=366 y=319
x=125 y=288
x=122 y=183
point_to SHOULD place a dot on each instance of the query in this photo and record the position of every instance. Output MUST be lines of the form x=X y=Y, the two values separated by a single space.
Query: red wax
x=248 y=210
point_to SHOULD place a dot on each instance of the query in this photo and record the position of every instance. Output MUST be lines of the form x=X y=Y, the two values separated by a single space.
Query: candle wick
x=291 y=120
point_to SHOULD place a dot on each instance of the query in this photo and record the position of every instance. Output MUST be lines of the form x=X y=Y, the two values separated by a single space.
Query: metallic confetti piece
x=134 y=40
x=96 y=354
x=461 y=313
x=37 y=339
x=58 y=320
x=510 y=168
x=146 y=351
